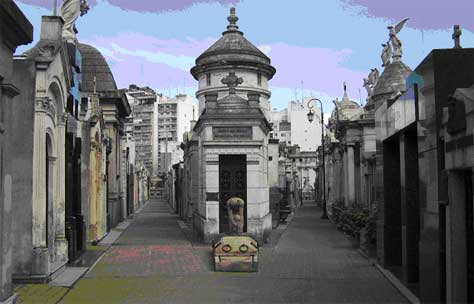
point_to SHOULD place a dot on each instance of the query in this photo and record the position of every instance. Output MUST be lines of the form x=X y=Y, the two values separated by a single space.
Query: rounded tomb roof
x=231 y=48
x=95 y=65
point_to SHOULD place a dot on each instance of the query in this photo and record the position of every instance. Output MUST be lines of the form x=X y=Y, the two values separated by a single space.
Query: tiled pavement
x=154 y=261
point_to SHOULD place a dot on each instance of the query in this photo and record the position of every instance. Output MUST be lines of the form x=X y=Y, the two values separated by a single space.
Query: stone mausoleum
x=231 y=146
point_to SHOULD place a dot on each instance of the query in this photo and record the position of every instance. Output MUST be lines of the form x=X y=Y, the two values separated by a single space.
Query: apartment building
x=142 y=102
x=174 y=118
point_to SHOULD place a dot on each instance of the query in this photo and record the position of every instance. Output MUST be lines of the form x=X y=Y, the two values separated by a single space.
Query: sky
x=315 y=45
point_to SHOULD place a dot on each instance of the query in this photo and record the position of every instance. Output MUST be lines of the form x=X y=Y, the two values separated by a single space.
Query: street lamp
x=310 y=119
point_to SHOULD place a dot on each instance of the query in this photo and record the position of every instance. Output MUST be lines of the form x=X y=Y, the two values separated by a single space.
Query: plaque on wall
x=231 y=133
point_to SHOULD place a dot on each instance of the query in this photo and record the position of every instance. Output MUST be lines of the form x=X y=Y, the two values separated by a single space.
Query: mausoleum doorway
x=232 y=183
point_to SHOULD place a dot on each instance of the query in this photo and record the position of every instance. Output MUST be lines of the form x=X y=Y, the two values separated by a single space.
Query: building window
x=270 y=158
x=259 y=79
x=208 y=79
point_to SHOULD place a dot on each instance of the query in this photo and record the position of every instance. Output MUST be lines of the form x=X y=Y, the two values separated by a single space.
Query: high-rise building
x=281 y=126
x=291 y=126
x=174 y=118
x=305 y=134
x=142 y=119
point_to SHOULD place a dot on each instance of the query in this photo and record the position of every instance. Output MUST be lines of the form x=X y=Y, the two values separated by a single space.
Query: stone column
x=350 y=175
x=40 y=250
x=39 y=182
x=95 y=182
x=60 y=242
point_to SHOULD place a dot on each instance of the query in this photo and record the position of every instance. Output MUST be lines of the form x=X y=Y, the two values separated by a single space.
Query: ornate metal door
x=232 y=182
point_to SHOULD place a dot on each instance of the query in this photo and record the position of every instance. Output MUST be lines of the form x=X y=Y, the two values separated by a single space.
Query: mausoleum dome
x=392 y=79
x=233 y=49
x=94 y=65
x=348 y=109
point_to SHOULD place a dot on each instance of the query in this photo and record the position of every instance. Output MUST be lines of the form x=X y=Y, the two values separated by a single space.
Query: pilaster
x=39 y=181
x=60 y=241
x=350 y=175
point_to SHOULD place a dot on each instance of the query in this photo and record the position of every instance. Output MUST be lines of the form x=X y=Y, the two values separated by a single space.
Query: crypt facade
x=230 y=139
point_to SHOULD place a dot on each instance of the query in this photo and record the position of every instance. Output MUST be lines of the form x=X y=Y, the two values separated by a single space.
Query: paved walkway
x=154 y=261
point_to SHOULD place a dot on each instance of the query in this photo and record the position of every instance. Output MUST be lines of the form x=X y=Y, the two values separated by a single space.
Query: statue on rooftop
x=371 y=81
x=395 y=42
x=386 y=54
x=70 y=10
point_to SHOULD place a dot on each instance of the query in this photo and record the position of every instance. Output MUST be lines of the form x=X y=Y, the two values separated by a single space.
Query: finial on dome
x=232 y=20
x=346 y=97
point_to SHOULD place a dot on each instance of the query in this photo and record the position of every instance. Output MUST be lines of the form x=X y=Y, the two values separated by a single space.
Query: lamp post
x=310 y=119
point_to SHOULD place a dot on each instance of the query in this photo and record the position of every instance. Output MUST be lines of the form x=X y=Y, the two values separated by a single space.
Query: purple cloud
x=139 y=5
x=321 y=69
x=49 y=3
x=424 y=14
x=158 y=6
x=144 y=60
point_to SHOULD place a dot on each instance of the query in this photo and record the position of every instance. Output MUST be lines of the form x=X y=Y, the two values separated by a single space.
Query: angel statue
x=386 y=54
x=371 y=81
x=373 y=76
x=70 y=11
x=367 y=87
x=396 y=43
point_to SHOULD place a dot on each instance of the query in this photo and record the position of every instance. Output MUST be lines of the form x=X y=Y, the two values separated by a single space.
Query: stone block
x=257 y=210
x=40 y=261
x=212 y=179
x=254 y=178
x=256 y=195
x=260 y=229
x=212 y=210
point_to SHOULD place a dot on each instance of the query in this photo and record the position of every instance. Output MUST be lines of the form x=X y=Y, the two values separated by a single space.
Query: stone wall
x=21 y=152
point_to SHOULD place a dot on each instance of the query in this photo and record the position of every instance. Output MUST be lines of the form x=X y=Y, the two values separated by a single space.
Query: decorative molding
x=46 y=50
x=9 y=90
x=45 y=105
x=63 y=118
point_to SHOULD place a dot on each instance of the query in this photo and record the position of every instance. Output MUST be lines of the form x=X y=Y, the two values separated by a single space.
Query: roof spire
x=232 y=20
x=346 y=97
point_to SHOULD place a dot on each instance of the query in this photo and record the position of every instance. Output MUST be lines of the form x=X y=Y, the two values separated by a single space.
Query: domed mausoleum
x=347 y=110
x=228 y=156
x=106 y=111
x=233 y=52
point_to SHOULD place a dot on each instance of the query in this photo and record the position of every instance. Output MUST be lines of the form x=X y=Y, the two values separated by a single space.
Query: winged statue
x=371 y=81
x=70 y=10
x=373 y=76
x=396 y=43
x=386 y=54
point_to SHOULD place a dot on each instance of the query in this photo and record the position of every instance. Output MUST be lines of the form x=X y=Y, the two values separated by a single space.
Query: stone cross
x=456 y=36
x=232 y=81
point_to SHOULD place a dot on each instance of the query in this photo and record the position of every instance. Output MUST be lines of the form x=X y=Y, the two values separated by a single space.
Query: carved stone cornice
x=9 y=90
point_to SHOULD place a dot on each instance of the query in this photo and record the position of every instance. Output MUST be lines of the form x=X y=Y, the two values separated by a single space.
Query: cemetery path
x=156 y=261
